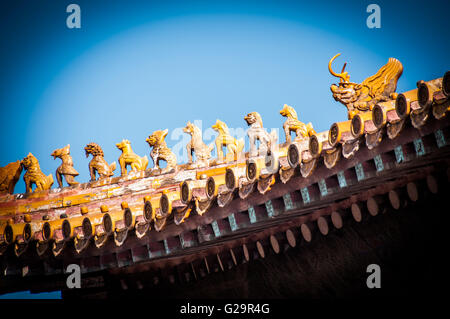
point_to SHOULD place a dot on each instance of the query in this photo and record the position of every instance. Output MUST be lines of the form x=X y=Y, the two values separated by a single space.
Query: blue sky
x=139 y=66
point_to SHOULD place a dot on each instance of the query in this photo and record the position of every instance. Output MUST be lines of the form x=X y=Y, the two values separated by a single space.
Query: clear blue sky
x=138 y=66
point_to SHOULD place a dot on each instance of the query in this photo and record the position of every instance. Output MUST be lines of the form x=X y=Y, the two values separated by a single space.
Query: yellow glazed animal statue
x=196 y=145
x=292 y=124
x=128 y=157
x=363 y=97
x=34 y=175
x=160 y=151
x=233 y=145
x=9 y=175
x=66 y=168
x=256 y=132
x=98 y=163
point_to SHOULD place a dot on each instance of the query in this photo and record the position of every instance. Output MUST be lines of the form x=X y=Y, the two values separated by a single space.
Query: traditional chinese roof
x=147 y=220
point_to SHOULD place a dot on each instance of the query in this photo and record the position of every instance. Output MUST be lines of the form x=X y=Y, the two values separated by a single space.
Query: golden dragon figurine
x=363 y=97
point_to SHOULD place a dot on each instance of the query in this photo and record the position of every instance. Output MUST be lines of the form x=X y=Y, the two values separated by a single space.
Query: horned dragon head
x=362 y=97
x=345 y=92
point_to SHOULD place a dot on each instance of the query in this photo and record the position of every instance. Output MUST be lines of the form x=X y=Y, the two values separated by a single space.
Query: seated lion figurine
x=34 y=175
x=98 y=163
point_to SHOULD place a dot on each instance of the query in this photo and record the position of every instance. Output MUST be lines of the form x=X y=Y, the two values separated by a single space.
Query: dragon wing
x=384 y=82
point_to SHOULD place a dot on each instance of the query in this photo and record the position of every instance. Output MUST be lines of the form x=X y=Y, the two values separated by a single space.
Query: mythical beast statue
x=9 y=175
x=292 y=124
x=363 y=97
x=128 y=157
x=160 y=151
x=66 y=168
x=98 y=163
x=34 y=175
x=196 y=145
x=256 y=131
x=233 y=145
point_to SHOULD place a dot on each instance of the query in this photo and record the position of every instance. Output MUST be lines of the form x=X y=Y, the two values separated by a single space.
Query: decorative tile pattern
x=341 y=179
x=440 y=138
x=166 y=247
x=359 y=172
x=399 y=156
x=182 y=242
x=305 y=195
x=378 y=163
x=233 y=224
x=251 y=214
x=288 y=201
x=418 y=145
x=323 y=188
x=269 y=208
x=216 y=229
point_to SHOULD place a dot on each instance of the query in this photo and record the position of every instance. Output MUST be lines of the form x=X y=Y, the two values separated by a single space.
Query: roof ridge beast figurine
x=128 y=157
x=98 y=163
x=160 y=151
x=34 y=175
x=66 y=168
x=363 y=97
